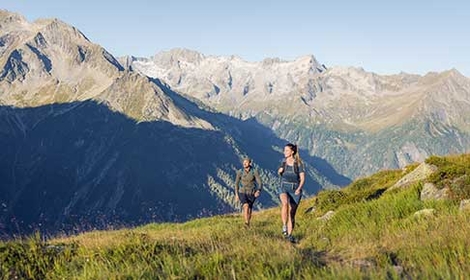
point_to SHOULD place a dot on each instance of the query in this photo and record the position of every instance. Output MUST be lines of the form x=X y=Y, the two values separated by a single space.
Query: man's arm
x=237 y=182
x=258 y=180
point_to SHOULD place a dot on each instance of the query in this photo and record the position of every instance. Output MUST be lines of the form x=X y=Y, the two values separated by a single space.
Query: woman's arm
x=301 y=183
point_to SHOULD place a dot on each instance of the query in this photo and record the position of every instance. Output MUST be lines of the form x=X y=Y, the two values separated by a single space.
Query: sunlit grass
x=372 y=235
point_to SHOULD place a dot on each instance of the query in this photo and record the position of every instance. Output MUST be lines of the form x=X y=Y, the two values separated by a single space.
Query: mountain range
x=358 y=121
x=89 y=143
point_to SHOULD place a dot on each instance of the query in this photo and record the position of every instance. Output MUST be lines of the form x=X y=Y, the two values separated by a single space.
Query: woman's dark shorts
x=289 y=189
x=247 y=198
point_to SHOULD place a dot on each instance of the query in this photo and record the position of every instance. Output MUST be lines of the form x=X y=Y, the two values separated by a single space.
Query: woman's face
x=288 y=151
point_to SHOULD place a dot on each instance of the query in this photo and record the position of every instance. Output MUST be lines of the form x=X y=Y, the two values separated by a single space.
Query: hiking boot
x=291 y=239
x=284 y=231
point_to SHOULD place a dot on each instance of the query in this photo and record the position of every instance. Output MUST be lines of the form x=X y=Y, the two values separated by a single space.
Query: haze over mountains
x=87 y=143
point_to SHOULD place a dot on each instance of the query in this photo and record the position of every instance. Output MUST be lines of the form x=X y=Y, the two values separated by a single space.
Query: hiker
x=250 y=188
x=292 y=178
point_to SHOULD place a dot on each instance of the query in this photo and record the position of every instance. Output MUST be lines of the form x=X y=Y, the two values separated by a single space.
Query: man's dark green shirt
x=250 y=181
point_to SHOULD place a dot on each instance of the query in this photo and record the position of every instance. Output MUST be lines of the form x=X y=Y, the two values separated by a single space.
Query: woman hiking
x=250 y=188
x=292 y=173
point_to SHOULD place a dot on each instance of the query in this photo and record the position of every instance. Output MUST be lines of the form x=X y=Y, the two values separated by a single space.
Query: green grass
x=372 y=235
x=361 y=190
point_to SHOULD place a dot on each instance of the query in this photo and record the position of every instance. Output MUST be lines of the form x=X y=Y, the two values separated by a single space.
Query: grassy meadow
x=371 y=235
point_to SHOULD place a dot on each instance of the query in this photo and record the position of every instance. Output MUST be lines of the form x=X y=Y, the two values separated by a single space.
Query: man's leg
x=246 y=213
x=250 y=211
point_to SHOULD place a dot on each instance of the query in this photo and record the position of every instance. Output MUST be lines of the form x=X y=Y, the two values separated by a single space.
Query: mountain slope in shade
x=78 y=166
x=359 y=121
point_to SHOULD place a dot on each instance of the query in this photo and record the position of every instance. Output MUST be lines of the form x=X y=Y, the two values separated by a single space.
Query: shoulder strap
x=283 y=166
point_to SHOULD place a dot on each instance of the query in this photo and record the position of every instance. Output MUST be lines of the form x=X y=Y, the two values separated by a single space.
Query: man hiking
x=250 y=188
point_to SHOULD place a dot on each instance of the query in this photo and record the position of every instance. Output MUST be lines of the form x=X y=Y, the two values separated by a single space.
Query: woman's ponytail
x=297 y=155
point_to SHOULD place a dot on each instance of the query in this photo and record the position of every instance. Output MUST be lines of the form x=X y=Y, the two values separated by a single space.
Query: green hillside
x=372 y=234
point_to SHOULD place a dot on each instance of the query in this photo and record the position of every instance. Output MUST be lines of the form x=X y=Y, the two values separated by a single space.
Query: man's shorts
x=247 y=198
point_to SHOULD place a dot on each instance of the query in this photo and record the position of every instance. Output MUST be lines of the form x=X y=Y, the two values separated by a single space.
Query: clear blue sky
x=385 y=37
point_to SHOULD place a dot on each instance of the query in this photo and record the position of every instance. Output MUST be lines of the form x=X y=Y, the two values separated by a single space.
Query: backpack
x=296 y=167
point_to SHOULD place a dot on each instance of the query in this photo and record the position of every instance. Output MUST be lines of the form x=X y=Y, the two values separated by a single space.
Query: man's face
x=246 y=163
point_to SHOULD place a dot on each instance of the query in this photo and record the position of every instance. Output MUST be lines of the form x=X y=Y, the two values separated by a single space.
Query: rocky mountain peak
x=229 y=80
x=126 y=61
x=59 y=30
x=270 y=61
x=437 y=79
x=10 y=20
x=454 y=74
x=311 y=63
x=50 y=61
x=174 y=56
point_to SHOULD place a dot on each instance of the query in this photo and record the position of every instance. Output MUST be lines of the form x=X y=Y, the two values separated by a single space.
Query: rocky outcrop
x=328 y=215
x=423 y=213
x=431 y=192
x=464 y=205
x=419 y=174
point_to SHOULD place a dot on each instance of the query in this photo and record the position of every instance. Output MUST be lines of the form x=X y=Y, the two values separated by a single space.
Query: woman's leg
x=292 y=212
x=284 y=209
